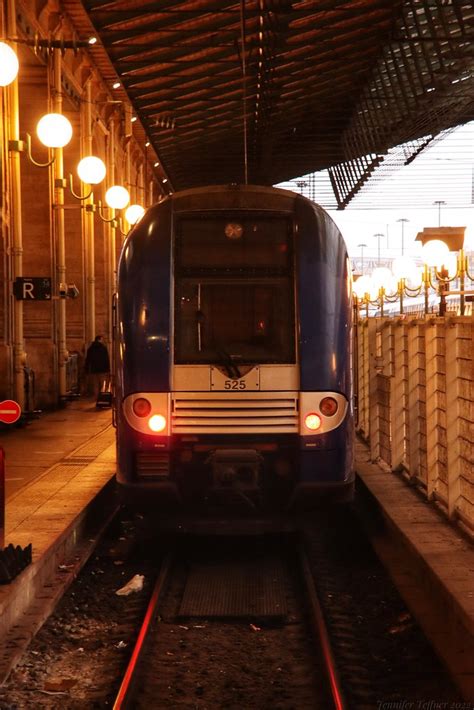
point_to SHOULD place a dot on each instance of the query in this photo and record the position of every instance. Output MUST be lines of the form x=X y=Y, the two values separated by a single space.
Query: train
x=232 y=356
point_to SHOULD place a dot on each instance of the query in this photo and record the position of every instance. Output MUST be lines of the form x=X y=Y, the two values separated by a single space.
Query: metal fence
x=414 y=385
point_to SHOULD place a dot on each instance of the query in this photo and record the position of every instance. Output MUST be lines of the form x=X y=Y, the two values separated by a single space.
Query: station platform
x=430 y=560
x=59 y=475
x=35 y=447
x=60 y=471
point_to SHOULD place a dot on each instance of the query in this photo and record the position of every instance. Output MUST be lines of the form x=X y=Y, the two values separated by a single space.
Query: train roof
x=237 y=187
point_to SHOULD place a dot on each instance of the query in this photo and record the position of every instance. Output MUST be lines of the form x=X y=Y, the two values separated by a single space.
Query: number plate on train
x=248 y=383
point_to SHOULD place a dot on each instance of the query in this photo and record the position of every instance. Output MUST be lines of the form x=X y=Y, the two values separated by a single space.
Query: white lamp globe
x=134 y=213
x=382 y=277
x=451 y=264
x=91 y=170
x=362 y=286
x=117 y=197
x=435 y=253
x=469 y=237
x=54 y=130
x=8 y=64
x=403 y=267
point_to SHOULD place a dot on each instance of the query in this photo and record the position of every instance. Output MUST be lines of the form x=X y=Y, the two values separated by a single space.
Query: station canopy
x=265 y=90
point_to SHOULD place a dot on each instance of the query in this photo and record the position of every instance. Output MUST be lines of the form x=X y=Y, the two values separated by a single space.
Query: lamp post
x=301 y=184
x=439 y=203
x=58 y=171
x=379 y=235
x=403 y=221
x=361 y=247
x=438 y=242
x=88 y=225
x=13 y=124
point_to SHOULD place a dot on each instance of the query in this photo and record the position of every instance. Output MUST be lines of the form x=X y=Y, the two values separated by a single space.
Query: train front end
x=233 y=356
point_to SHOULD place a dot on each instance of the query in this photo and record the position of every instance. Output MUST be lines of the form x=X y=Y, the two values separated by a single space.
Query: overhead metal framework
x=265 y=90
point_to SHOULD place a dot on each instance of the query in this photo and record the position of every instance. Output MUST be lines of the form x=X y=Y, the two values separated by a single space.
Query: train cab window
x=251 y=321
x=234 y=289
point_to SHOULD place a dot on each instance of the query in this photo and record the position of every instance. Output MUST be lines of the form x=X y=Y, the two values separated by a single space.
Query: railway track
x=231 y=626
x=239 y=601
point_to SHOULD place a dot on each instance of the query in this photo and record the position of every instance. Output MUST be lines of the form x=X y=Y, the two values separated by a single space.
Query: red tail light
x=312 y=421
x=328 y=406
x=141 y=407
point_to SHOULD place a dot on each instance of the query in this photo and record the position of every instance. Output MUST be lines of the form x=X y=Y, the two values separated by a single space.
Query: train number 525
x=235 y=385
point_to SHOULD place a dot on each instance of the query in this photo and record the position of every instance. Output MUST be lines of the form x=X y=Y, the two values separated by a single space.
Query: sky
x=443 y=172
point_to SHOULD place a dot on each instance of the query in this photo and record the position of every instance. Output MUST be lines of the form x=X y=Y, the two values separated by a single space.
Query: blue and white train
x=233 y=386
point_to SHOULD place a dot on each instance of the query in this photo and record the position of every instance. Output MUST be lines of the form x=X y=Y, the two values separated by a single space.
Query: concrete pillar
x=399 y=409
x=416 y=395
x=436 y=484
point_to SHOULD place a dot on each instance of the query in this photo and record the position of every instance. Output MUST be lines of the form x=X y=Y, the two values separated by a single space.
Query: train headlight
x=141 y=407
x=157 y=423
x=328 y=406
x=312 y=421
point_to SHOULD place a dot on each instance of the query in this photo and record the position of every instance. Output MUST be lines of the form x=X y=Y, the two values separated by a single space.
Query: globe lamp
x=117 y=197
x=435 y=252
x=382 y=277
x=54 y=130
x=8 y=64
x=134 y=213
x=362 y=286
x=91 y=170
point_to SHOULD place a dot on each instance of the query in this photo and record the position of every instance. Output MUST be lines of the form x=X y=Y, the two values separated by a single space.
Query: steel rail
x=126 y=688
x=322 y=633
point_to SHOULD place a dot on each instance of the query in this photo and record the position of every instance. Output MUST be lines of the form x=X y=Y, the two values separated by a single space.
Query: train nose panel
x=238 y=468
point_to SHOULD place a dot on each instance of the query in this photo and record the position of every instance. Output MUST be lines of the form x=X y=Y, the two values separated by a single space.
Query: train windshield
x=234 y=300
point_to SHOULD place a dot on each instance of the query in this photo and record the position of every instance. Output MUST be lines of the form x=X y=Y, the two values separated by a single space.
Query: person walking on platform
x=97 y=366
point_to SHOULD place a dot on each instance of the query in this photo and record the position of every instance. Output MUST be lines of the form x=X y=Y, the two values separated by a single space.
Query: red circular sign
x=9 y=411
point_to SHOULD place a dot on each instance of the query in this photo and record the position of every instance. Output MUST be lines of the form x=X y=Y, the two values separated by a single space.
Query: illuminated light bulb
x=8 y=64
x=435 y=253
x=403 y=267
x=116 y=85
x=469 y=237
x=362 y=286
x=91 y=170
x=117 y=197
x=92 y=40
x=157 y=422
x=373 y=289
x=134 y=213
x=451 y=264
x=380 y=276
x=312 y=421
x=54 y=130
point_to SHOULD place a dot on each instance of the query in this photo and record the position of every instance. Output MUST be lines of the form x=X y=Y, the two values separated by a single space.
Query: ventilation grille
x=235 y=413
x=152 y=465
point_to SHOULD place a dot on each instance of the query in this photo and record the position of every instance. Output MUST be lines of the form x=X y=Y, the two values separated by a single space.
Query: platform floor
x=55 y=466
x=32 y=449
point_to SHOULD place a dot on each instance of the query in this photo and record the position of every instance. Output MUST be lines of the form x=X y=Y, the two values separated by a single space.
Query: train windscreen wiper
x=225 y=359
